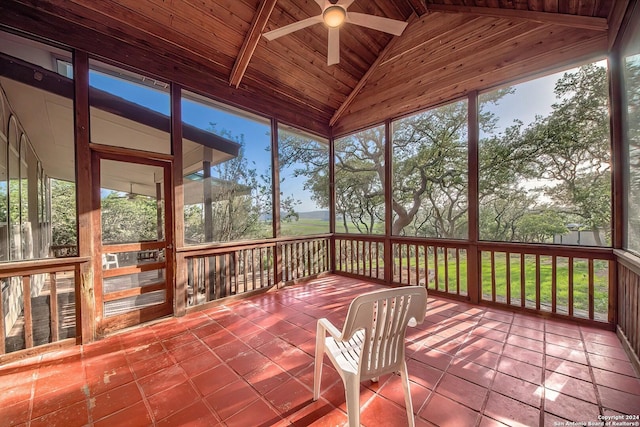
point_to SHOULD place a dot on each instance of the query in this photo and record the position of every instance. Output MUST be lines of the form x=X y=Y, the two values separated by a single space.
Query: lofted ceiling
x=449 y=48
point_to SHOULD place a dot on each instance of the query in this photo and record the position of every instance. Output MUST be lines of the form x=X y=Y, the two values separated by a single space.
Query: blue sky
x=256 y=133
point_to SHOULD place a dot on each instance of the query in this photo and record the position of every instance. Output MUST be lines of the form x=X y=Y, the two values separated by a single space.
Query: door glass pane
x=132 y=207
x=131 y=202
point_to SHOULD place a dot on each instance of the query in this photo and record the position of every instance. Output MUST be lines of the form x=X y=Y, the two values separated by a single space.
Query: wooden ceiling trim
x=458 y=67
x=363 y=81
x=450 y=63
x=251 y=41
x=560 y=49
x=615 y=20
x=168 y=28
x=439 y=37
x=574 y=21
x=286 y=55
x=419 y=7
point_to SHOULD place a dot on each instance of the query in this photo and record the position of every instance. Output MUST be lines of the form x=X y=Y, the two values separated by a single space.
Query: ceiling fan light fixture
x=334 y=16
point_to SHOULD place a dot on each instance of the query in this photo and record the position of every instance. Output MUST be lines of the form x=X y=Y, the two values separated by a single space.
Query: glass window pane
x=39 y=152
x=430 y=173
x=227 y=173
x=545 y=174
x=359 y=174
x=129 y=110
x=304 y=183
x=129 y=204
x=632 y=98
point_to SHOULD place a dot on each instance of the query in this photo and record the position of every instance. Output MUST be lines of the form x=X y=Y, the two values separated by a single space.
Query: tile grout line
x=495 y=374
x=591 y=373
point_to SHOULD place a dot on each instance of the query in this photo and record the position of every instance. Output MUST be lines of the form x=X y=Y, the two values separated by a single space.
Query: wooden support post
x=84 y=290
x=388 y=196
x=179 y=263
x=332 y=205
x=275 y=179
x=473 y=254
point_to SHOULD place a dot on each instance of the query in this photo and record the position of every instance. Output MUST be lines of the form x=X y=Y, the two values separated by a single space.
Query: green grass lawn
x=304 y=226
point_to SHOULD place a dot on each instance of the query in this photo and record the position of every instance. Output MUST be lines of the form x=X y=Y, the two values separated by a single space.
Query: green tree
x=567 y=152
x=128 y=218
x=63 y=213
x=240 y=200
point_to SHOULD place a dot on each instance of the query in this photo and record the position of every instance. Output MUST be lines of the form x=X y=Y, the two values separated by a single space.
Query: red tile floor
x=250 y=363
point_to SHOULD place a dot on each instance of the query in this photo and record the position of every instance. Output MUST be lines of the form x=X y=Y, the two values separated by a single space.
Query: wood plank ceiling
x=450 y=47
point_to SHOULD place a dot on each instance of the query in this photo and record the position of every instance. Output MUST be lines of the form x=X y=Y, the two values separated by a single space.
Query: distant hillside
x=319 y=215
x=313 y=215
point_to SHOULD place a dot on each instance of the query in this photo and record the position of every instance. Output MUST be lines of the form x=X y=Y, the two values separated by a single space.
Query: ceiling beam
x=251 y=42
x=418 y=6
x=363 y=81
x=575 y=21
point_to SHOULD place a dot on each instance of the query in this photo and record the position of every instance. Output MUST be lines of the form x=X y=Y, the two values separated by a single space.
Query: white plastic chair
x=109 y=261
x=371 y=343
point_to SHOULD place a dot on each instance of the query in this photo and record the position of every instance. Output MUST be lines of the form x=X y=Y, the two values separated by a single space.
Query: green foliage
x=128 y=218
x=241 y=197
x=63 y=213
x=567 y=154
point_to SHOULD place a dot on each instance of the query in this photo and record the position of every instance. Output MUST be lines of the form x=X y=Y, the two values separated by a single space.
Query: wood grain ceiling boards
x=214 y=46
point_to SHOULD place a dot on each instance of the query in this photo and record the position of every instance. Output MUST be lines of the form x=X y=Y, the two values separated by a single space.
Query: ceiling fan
x=334 y=14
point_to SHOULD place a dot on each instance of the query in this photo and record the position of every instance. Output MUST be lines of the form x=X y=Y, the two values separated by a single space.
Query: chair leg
x=404 y=378
x=352 y=395
x=317 y=371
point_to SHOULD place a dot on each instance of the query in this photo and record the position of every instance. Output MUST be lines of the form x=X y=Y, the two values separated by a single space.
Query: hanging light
x=334 y=16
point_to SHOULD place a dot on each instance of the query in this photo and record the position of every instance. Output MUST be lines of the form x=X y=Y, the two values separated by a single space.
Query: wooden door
x=134 y=271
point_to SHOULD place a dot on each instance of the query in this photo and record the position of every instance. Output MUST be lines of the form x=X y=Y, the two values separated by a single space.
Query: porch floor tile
x=250 y=363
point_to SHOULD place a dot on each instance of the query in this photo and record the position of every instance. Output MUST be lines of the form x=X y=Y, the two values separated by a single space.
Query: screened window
x=304 y=182
x=359 y=177
x=227 y=173
x=545 y=174
x=631 y=56
x=128 y=110
x=430 y=173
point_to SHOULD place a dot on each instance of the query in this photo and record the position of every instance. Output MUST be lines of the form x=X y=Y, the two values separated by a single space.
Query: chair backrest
x=384 y=316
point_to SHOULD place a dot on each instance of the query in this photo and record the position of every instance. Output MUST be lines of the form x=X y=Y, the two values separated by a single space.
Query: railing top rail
x=214 y=248
x=366 y=237
x=542 y=249
x=132 y=247
x=452 y=243
x=40 y=265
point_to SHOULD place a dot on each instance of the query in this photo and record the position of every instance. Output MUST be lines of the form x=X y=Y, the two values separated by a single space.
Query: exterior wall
x=17 y=241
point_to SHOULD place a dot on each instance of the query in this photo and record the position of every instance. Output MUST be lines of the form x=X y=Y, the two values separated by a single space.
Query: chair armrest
x=326 y=325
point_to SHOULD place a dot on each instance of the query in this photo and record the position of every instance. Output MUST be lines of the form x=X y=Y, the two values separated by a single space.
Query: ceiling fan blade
x=333 y=55
x=322 y=3
x=345 y=3
x=379 y=23
x=292 y=27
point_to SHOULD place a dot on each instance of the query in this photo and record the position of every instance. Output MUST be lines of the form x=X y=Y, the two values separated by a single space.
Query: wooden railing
x=573 y=282
x=218 y=272
x=628 y=302
x=437 y=264
x=304 y=257
x=440 y=265
x=40 y=304
x=566 y=281
x=361 y=255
